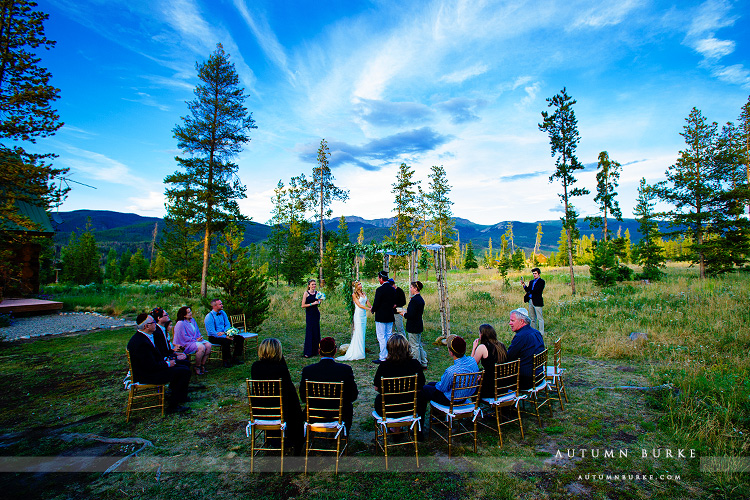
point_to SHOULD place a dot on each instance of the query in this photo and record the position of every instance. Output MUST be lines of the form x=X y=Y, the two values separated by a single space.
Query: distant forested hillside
x=130 y=231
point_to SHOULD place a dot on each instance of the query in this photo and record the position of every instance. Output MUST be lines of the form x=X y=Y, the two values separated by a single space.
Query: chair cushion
x=381 y=421
x=511 y=396
x=247 y=335
x=551 y=371
x=456 y=409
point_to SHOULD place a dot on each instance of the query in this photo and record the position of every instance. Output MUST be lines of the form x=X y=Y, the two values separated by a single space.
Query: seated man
x=328 y=370
x=525 y=344
x=162 y=340
x=149 y=367
x=440 y=392
x=217 y=323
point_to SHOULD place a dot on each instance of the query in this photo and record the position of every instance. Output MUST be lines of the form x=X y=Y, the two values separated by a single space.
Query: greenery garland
x=348 y=251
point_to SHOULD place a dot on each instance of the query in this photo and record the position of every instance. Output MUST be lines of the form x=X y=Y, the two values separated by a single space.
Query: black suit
x=383 y=303
x=535 y=294
x=413 y=315
x=328 y=370
x=160 y=341
x=149 y=367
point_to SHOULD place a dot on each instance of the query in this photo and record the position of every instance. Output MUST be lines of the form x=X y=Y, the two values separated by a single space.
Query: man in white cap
x=525 y=344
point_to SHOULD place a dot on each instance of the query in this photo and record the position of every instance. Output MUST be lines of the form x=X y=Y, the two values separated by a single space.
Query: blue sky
x=458 y=84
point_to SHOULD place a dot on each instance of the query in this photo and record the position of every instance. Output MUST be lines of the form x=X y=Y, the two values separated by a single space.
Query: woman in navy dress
x=310 y=302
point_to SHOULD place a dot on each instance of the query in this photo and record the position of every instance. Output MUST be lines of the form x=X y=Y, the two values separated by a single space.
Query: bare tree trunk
x=605 y=224
x=206 y=252
x=320 y=268
x=570 y=243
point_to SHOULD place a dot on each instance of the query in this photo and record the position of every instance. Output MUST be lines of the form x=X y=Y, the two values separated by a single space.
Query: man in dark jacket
x=525 y=344
x=534 y=297
x=328 y=370
x=150 y=367
x=383 y=307
x=161 y=338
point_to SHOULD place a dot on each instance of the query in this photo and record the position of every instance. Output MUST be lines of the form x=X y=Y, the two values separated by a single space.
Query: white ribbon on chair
x=537 y=388
x=457 y=410
x=384 y=422
x=127 y=381
x=251 y=423
x=505 y=398
x=328 y=425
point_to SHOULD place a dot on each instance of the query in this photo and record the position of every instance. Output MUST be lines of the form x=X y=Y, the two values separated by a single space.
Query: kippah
x=327 y=346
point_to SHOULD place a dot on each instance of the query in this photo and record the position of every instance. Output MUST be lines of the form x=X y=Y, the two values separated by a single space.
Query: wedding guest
x=162 y=338
x=188 y=335
x=271 y=365
x=217 y=323
x=398 y=363
x=328 y=370
x=487 y=351
x=149 y=367
x=525 y=344
x=440 y=391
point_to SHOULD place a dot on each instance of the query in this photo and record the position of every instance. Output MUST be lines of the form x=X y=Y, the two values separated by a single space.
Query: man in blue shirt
x=525 y=344
x=440 y=392
x=217 y=323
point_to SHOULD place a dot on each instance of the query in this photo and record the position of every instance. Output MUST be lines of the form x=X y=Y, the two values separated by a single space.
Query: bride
x=361 y=306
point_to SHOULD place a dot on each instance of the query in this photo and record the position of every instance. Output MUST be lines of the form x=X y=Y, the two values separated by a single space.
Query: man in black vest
x=383 y=308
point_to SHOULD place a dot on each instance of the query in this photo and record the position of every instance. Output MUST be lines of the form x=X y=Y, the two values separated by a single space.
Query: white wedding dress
x=357 y=345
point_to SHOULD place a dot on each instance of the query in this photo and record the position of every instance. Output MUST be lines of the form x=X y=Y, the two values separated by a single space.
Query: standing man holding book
x=534 y=297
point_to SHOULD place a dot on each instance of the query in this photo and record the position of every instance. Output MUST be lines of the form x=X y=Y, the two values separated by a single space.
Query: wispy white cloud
x=185 y=18
x=710 y=16
x=78 y=132
x=152 y=203
x=147 y=100
x=99 y=167
x=266 y=38
x=531 y=93
x=462 y=75
x=606 y=14
x=711 y=48
x=736 y=74
x=178 y=81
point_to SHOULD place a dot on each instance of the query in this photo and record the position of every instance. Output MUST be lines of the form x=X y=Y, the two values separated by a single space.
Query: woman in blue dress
x=310 y=303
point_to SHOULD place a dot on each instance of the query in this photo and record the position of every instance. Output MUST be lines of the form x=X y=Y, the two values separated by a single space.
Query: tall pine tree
x=322 y=193
x=649 y=253
x=207 y=187
x=562 y=128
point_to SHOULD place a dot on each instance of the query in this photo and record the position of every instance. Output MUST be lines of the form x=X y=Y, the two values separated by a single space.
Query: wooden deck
x=26 y=306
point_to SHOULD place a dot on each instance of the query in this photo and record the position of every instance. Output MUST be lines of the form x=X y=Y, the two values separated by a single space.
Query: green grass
x=698 y=340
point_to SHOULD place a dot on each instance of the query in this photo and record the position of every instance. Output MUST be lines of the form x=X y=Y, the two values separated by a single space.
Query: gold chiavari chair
x=464 y=404
x=324 y=418
x=150 y=395
x=266 y=414
x=398 y=414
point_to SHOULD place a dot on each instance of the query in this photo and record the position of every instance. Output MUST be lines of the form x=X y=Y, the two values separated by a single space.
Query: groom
x=382 y=307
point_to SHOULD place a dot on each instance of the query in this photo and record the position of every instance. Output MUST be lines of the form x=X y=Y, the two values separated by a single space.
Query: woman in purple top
x=187 y=334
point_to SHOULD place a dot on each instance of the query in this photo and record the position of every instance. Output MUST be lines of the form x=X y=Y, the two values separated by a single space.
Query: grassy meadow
x=62 y=392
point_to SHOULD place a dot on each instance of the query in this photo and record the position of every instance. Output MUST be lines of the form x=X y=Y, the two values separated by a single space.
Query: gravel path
x=53 y=324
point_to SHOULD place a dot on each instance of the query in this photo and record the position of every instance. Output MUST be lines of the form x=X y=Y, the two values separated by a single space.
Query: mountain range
x=132 y=231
